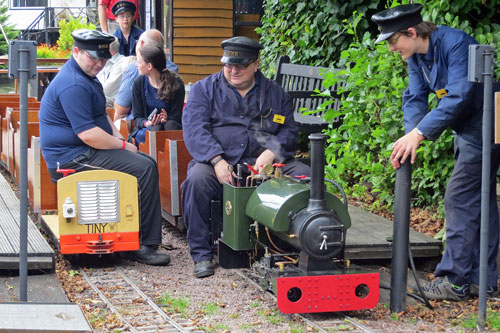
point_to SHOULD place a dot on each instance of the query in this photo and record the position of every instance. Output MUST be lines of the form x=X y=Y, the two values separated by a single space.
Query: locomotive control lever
x=323 y=243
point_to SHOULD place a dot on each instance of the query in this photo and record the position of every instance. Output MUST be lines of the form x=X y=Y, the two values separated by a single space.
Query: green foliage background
x=65 y=41
x=4 y=48
x=339 y=34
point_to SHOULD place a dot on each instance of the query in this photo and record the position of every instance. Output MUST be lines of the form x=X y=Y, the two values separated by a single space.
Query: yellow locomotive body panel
x=98 y=212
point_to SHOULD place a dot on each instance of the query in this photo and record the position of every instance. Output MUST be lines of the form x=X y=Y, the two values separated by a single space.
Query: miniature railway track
x=137 y=311
x=321 y=322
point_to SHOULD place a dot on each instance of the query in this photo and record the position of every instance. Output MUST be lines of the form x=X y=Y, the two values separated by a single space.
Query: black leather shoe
x=149 y=256
x=204 y=268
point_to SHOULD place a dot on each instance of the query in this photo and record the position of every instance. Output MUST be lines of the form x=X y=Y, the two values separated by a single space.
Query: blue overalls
x=218 y=121
x=443 y=70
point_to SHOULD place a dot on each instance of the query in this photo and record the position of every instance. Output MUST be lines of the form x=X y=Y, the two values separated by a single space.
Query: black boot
x=149 y=256
x=204 y=268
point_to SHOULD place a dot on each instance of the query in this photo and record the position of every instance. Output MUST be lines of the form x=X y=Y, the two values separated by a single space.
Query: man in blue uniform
x=76 y=133
x=437 y=62
x=127 y=33
x=232 y=117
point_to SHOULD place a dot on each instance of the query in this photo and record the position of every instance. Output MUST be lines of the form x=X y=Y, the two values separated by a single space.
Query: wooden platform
x=369 y=235
x=40 y=254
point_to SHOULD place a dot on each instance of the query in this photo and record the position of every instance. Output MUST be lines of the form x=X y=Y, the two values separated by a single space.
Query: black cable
x=414 y=271
x=418 y=298
x=337 y=185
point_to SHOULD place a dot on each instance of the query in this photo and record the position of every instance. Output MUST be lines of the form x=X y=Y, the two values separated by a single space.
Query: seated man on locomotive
x=76 y=133
x=232 y=117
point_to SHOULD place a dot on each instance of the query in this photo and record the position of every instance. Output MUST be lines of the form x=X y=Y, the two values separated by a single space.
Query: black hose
x=414 y=271
x=337 y=185
x=418 y=298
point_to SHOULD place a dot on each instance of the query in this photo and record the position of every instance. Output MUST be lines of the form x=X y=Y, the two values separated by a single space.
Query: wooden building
x=194 y=30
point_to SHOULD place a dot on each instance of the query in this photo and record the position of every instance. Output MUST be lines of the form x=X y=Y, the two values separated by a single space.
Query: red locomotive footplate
x=327 y=293
x=99 y=243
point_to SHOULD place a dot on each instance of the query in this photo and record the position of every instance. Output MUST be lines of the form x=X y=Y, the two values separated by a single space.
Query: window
x=29 y=3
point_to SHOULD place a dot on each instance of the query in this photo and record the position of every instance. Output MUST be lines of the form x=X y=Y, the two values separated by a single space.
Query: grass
x=99 y=317
x=273 y=316
x=492 y=321
x=210 y=308
x=174 y=305
x=255 y=304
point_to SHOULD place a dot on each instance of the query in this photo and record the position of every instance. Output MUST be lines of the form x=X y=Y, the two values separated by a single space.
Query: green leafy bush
x=65 y=41
x=358 y=151
x=310 y=32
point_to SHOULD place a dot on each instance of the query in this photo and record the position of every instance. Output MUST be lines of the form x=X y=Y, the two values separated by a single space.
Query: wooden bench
x=39 y=180
x=170 y=152
x=9 y=125
x=33 y=130
x=300 y=81
x=15 y=104
x=172 y=167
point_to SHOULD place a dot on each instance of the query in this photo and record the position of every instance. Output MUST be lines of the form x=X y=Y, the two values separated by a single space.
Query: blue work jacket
x=213 y=122
x=443 y=70
x=128 y=49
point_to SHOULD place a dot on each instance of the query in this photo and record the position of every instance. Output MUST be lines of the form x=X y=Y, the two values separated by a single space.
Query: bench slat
x=300 y=81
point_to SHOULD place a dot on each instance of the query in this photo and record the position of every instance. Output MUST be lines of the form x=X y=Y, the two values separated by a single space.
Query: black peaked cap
x=123 y=6
x=94 y=42
x=240 y=50
x=397 y=18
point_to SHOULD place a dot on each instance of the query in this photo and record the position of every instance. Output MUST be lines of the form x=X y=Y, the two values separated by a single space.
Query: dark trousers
x=460 y=260
x=140 y=165
x=198 y=190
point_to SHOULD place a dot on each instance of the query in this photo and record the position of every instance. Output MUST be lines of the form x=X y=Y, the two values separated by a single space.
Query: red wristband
x=123 y=144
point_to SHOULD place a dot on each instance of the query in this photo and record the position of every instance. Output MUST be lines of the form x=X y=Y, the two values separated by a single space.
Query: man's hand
x=267 y=157
x=130 y=147
x=404 y=146
x=224 y=172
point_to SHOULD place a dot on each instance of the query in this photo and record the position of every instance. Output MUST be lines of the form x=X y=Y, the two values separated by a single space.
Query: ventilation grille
x=98 y=202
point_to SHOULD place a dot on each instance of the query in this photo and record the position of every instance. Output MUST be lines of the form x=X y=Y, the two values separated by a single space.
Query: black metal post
x=22 y=65
x=485 y=187
x=23 y=197
x=400 y=238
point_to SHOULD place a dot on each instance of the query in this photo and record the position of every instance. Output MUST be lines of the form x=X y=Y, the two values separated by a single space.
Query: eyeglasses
x=92 y=58
x=393 y=40
x=126 y=16
x=239 y=67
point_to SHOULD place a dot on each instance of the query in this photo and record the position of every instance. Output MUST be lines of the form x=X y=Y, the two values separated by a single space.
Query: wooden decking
x=40 y=254
x=369 y=238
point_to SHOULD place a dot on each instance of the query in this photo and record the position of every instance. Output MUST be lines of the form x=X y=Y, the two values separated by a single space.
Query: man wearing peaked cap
x=437 y=58
x=76 y=133
x=232 y=117
x=127 y=32
x=240 y=50
x=94 y=42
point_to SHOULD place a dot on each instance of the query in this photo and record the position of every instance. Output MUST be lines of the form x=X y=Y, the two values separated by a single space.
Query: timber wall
x=199 y=26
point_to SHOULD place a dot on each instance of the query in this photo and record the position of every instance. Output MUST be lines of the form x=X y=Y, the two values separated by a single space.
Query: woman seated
x=157 y=95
